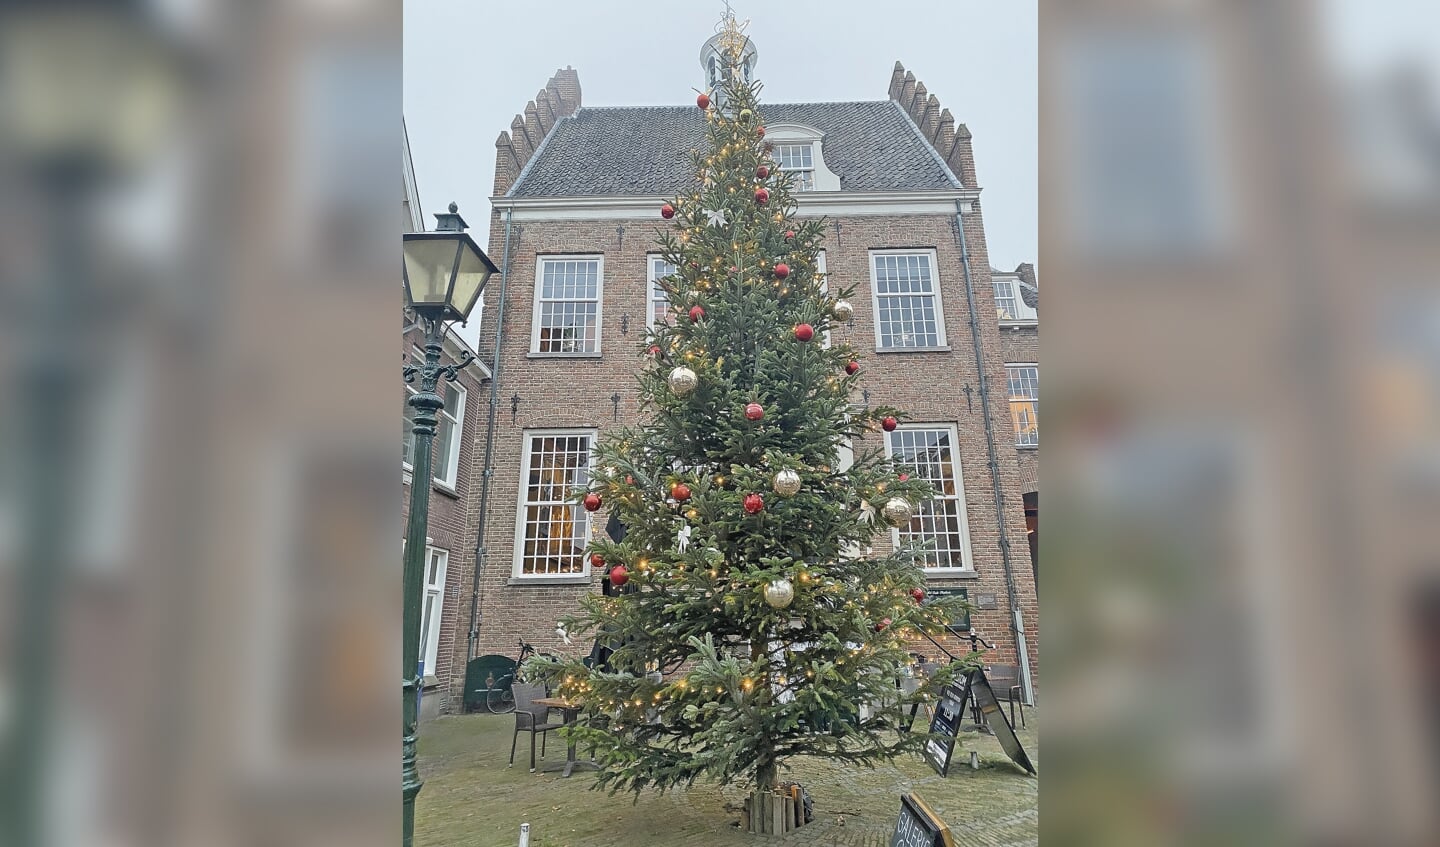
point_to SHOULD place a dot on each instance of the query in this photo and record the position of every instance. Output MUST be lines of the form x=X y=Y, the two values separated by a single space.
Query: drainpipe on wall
x=489 y=472
x=1017 y=620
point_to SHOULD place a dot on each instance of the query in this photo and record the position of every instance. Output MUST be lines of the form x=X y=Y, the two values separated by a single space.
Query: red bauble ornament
x=619 y=576
x=782 y=270
x=597 y=560
x=760 y=131
x=789 y=234
x=753 y=503
x=703 y=101
x=696 y=313
x=804 y=332
x=889 y=424
x=680 y=492
x=629 y=480
x=667 y=211
x=762 y=196
x=883 y=625
x=852 y=368
x=902 y=477
x=754 y=411
x=654 y=350
x=763 y=171
x=918 y=594
x=734 y=269
x=592 y=502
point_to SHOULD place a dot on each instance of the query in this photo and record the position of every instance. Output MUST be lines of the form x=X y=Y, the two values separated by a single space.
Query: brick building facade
x=577 y=191
x=456 y=463
x=1017 y=309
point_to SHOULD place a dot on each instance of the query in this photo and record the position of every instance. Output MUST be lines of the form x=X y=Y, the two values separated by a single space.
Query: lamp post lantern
x=445 y=273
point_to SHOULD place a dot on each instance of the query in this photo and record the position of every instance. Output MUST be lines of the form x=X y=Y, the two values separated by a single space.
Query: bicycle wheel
x=500 y=700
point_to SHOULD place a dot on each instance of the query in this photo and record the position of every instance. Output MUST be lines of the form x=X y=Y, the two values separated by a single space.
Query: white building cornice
x=810 y=204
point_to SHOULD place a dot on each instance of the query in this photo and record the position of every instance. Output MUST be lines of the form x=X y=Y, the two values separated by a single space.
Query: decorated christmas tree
x=749 y=617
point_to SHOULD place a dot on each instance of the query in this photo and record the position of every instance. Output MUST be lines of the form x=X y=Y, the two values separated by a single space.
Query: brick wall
x=451 y=527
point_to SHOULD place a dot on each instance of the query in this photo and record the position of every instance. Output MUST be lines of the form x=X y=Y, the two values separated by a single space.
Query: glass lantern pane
x=469 y=282
x=428 y=263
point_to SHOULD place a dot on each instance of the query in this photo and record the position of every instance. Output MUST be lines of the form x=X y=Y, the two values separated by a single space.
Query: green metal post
x=426 y=403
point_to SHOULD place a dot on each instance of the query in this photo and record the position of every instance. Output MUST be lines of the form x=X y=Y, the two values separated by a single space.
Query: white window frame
x=966 y=554
x=430 y=635
x=1013 y=400
x=806 y=174
x=528 y=437
x=540 y=262
x=451 y=463
x=650 y=299
x=941 y=340
x=1024 y=312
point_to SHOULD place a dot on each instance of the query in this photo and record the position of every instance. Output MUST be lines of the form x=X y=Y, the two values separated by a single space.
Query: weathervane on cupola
x=728 y=51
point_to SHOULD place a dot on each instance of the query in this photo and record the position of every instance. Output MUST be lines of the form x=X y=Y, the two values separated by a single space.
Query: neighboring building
x=450 y=537
x=1017 y=307
x=577 y=192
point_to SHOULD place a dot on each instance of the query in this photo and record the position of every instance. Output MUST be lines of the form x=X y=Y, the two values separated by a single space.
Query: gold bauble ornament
x=897 y=512
x=842 y=311
x=787 y=483
x=683 y=381
x=779 y=593
x=745 y=114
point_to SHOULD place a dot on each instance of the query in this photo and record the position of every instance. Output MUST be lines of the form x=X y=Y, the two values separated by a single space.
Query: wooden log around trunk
x=746 y=817
x=789 y=817
x=799 y=806
x=777 y=814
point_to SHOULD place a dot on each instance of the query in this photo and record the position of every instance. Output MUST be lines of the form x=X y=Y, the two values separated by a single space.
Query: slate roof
x=637 y=151
x=1030 y=294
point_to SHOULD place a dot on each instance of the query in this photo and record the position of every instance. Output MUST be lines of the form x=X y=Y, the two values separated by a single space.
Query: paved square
x=472 y=799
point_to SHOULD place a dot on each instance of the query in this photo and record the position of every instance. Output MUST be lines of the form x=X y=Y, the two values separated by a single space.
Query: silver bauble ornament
x=787 y=482
x=779 y=593
x=683 y=381
x=842 y=311
x=897 y=512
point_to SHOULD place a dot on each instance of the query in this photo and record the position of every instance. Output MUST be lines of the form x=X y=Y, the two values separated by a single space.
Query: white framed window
x=932 y=451
x=552 y=529
x=656 y=269
x=449 y=427
x=906 y=297
x=1023 y=382
x=567 y=305
x=436 y=563
x=1010 y=306
x=799 y=161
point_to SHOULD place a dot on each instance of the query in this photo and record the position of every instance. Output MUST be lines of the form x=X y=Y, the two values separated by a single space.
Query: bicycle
x=489 y=680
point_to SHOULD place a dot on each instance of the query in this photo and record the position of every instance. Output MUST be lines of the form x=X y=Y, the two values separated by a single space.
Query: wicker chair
x=530 y=718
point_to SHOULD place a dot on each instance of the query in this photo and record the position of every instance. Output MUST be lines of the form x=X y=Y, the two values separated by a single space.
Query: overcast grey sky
x=471 y=66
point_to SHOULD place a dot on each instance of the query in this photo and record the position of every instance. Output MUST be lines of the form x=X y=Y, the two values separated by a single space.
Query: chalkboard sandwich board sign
x=919 y=826
x=944 y=726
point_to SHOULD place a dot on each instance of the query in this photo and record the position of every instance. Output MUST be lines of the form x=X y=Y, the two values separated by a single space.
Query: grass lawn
x=472 y=799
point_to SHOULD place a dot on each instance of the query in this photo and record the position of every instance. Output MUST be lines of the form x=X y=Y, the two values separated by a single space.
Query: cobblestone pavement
x=471 y=798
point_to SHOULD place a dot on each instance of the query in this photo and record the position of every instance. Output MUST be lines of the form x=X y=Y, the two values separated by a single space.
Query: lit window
x=931 y=452
x=659 y=302
x=567 y=305
x=907 y=301
x=1024 y=385
x=797 y=159
x=436 y=561
x=449 y=426
x=554 y=529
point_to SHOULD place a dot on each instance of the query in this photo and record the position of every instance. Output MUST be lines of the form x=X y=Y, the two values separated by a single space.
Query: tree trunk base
x=774 y=812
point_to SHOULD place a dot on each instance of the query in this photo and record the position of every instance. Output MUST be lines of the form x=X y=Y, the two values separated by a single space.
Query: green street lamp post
x=445 y=273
